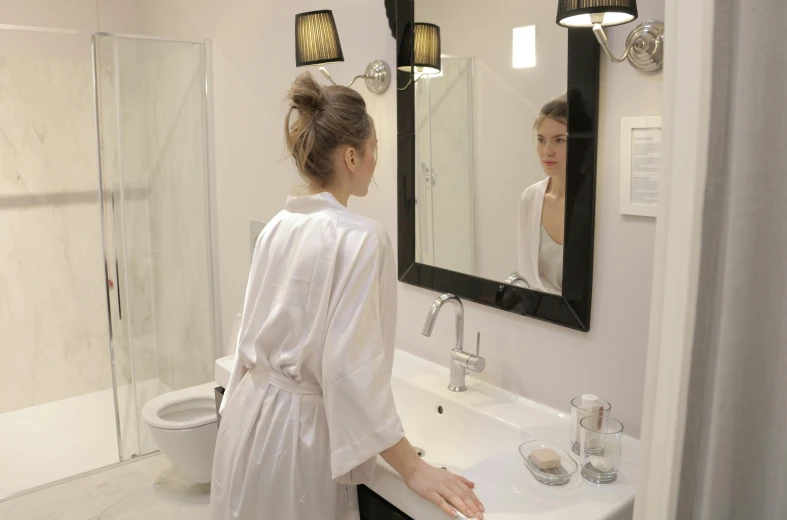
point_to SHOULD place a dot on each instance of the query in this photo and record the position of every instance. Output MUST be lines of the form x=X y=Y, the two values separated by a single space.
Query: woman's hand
x=448 y=491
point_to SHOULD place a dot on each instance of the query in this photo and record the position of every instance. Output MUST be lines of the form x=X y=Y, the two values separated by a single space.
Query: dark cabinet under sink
x=375 y=507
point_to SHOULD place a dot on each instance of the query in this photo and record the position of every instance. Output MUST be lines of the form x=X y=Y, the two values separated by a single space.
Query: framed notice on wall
x=640 y=165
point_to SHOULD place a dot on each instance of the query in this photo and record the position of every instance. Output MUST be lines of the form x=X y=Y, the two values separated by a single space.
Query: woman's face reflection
x=552 y=147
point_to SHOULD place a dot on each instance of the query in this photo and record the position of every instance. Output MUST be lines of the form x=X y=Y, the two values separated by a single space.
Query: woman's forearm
x=402 y=458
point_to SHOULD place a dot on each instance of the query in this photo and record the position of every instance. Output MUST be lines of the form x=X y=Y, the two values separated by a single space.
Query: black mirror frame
x=572 y=309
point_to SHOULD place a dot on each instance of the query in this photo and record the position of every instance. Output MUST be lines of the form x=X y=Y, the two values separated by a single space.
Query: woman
x=309 y=404
x=542 y=206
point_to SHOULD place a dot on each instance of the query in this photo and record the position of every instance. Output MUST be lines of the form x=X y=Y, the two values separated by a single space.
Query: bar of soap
x=545 y=458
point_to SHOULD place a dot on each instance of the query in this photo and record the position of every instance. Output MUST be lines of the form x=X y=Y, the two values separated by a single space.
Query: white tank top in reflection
x=550 y=263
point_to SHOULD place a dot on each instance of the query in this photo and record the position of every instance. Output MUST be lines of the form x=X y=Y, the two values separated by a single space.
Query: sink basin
x=477 y=434
x=223 y=370
x=449 y=427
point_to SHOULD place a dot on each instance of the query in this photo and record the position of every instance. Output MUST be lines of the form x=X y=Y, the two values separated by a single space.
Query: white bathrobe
x=309 y=403
x=531 y=205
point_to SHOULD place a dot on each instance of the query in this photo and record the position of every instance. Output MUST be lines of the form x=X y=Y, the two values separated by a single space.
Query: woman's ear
x=350 y=158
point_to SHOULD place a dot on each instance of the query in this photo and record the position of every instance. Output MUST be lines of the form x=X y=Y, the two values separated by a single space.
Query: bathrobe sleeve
x=239 y=370
x=357 y=363
x=241 y=366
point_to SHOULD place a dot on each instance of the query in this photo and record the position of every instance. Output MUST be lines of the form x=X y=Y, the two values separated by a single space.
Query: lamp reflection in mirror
x=420 y=51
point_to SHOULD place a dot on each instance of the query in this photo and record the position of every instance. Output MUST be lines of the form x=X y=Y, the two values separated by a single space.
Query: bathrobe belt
x=261 y=375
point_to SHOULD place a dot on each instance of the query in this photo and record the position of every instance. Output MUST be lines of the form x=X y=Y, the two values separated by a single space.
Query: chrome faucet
x=515 y=277
x=461 y=361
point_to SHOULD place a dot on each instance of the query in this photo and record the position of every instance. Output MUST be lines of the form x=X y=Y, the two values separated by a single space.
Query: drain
x=420 y=451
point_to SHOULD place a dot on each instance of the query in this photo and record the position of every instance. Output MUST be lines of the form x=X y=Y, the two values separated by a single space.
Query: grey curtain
x=735 y=452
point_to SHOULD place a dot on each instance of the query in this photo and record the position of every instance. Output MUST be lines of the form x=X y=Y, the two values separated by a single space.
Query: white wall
x=86 y=16
x=253 y=64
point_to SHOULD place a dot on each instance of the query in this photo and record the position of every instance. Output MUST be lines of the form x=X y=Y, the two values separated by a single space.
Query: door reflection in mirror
x=445 y=167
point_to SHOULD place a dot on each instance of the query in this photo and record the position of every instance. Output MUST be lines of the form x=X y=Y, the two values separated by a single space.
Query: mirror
x=497 y=157
x=477 y=148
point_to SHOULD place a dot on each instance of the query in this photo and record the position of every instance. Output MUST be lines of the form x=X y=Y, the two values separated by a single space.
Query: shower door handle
x=117 y=277
x=117 y=270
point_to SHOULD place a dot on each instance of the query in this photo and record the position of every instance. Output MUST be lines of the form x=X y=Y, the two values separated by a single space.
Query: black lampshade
x=316 y=39
x=585 y=13
x=423 y=52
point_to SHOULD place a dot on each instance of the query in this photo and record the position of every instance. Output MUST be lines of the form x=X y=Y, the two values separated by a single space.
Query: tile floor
x=147 y=489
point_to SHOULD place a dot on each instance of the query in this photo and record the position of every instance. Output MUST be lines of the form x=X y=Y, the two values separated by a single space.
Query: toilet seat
x=182 y=409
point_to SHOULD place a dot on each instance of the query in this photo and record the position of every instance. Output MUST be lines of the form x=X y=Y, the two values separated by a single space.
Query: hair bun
x=319 y=120
x=306 y=95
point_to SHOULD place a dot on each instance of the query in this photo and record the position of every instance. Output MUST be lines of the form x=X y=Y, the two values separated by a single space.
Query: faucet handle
x=476 y=363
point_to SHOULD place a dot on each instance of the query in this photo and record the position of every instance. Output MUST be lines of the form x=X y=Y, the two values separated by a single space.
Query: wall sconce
x=317 y=43
x=420 y=51
x=645 y=44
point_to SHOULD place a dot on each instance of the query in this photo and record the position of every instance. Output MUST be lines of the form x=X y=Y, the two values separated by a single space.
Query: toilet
x=183 y=426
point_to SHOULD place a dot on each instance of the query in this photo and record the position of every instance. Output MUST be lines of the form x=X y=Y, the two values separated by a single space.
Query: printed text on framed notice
x=640 y=165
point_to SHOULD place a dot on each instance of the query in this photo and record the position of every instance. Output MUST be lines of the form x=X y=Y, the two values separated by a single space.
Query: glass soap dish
x=558 y=476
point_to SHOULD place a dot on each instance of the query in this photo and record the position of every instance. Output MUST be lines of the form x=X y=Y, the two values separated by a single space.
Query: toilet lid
x=182 y=409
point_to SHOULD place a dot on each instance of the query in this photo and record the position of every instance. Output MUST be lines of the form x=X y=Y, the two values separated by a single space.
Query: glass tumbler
x=600 y=448
x=581 y=407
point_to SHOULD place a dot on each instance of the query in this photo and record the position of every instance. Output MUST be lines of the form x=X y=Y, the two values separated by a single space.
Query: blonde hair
x=556 y=109
x=327 y=117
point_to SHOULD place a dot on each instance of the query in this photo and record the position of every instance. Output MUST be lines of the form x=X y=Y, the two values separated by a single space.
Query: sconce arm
x=356 y=78
x=377 y=77
x=601 y=36
x=327 y=75
x=644 y=46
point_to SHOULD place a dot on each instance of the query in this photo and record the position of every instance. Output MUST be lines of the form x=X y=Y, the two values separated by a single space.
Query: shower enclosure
x=105 y=276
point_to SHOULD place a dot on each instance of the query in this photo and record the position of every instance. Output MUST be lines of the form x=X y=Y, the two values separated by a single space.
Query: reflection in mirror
x=445 y=187
x=543 y=205
x=491 y=143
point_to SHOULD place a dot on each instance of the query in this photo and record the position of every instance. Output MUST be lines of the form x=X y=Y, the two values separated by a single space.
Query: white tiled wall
x=54 y=339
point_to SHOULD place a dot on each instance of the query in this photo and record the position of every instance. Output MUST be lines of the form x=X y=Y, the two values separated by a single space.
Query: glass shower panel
x=57 y=411
x=154 y=156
